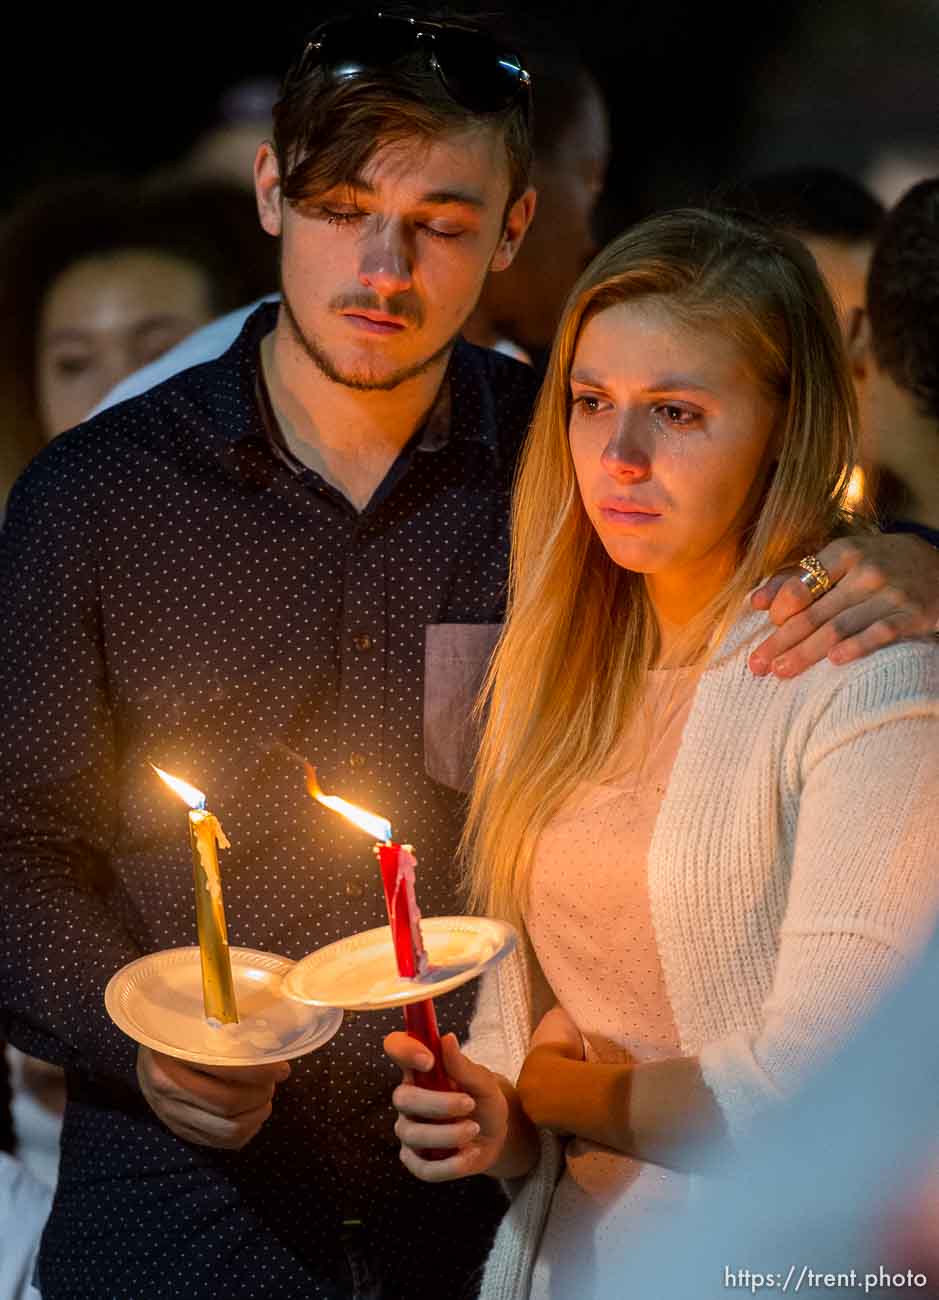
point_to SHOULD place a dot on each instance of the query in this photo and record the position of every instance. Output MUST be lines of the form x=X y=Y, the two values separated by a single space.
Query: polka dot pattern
x=175 y=592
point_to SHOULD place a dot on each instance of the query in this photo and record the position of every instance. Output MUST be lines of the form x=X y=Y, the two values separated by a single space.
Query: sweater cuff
x=508 y=1268
x=741 y=1087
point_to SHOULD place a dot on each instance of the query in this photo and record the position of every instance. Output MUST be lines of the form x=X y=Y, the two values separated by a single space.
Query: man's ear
x=517 y=221
x=858 y=338
x=267 y=189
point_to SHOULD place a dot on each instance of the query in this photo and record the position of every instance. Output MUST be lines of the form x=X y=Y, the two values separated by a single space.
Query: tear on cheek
x=674 y=439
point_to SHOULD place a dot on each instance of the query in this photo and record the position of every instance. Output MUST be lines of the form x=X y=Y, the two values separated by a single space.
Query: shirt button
x=355 y=888
x=362 y=641
x=357 y=760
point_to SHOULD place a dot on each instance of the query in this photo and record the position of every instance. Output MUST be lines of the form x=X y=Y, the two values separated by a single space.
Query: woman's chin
x=636 y=556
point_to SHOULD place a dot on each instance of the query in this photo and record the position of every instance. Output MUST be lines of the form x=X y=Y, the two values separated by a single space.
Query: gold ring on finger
x=815 y=577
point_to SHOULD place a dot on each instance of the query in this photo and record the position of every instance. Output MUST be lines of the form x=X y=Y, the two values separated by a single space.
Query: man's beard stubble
x=359 y=382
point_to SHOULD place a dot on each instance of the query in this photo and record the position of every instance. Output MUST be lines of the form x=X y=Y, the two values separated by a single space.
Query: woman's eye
x=586 y=404
x=679 y=416
x=155 y=344
x=70 y=366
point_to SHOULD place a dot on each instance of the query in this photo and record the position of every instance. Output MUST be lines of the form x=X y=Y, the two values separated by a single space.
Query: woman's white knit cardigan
x=793 y=870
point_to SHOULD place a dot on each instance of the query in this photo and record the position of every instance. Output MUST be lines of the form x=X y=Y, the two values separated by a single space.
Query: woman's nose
x=627 y=455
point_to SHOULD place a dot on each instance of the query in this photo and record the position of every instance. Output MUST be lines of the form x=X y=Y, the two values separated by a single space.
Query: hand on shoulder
x=884 y=587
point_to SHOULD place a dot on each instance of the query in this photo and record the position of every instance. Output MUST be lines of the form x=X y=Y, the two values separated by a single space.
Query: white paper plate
x=157 y=1000
x=359 y=973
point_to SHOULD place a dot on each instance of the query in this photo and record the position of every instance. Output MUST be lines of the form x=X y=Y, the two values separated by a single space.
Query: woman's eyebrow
x=673 y=383
x=586 y=377
x=66 y=334
x=667 y=384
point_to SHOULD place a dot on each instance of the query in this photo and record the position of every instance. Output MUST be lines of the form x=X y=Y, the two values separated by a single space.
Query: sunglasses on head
x=474 y=69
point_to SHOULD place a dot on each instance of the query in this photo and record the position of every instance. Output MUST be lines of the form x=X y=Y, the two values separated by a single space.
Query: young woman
x=714 y=874
x=100 y=276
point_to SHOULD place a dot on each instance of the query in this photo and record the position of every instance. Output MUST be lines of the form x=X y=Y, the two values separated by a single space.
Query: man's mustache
x=402 y=306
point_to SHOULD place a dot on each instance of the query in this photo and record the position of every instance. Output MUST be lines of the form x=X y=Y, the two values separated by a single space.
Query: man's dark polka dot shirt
x=175 y=591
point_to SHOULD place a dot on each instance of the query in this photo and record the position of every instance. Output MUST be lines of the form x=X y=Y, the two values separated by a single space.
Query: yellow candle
x=206 y=837
x=218 y=993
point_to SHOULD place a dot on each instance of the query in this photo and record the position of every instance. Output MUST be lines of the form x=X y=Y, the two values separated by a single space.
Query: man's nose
x=385 y=264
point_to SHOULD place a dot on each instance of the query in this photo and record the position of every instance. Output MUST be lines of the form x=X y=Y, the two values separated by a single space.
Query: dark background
x=699 y=92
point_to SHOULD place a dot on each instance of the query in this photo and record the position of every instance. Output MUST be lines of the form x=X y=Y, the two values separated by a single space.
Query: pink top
x=591 y=927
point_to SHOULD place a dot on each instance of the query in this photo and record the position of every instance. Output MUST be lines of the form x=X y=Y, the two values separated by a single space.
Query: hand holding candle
x=206 y=837
x=397 y=869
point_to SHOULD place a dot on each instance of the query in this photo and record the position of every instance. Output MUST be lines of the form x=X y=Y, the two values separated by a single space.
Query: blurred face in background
x=524 y=304
x=105 y=317
x=844 y=266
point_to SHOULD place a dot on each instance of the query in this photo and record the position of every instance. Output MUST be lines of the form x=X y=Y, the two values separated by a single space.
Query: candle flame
x=857 y=486
x=188 y=793
x=373 y=825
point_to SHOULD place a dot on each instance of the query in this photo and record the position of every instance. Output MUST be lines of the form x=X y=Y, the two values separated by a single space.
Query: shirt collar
x=464 y=409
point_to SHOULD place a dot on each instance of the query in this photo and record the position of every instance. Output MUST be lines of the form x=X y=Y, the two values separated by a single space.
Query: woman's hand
x=557 y=1029
x=654 y=1110
x=549 y=1085
x=482 y=1121
x=550 y=1071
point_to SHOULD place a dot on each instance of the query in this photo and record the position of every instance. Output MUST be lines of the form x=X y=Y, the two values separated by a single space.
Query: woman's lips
x=627 y=513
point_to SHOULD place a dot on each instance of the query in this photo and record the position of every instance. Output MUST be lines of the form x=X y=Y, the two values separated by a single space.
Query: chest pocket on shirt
x=456 y=656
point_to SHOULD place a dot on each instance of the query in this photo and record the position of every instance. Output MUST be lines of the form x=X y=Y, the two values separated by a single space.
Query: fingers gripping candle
x=206 y=837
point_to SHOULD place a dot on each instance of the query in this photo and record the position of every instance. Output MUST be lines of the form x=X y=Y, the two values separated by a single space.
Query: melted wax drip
x=404 y=888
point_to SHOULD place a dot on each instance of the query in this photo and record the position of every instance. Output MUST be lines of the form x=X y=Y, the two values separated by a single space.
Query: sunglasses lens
x=352 y=47
x=477 y=73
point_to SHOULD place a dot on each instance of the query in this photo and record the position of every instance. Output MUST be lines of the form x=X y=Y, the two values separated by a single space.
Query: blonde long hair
x=580 y=632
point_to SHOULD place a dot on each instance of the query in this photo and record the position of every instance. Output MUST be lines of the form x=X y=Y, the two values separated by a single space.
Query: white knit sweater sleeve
x=511 y=999
x=487 y=1042
x=864 y=883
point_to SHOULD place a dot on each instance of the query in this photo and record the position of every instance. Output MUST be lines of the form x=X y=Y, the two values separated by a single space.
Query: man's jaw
x=362 y=378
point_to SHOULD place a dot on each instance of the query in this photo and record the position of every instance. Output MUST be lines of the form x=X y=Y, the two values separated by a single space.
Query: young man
x=273 y=536
x=895 y=346
x=519 y=308
x=303 y=544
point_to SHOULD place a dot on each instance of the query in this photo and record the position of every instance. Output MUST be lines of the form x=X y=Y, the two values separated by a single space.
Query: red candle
x=404 y=917
x=397 y=873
